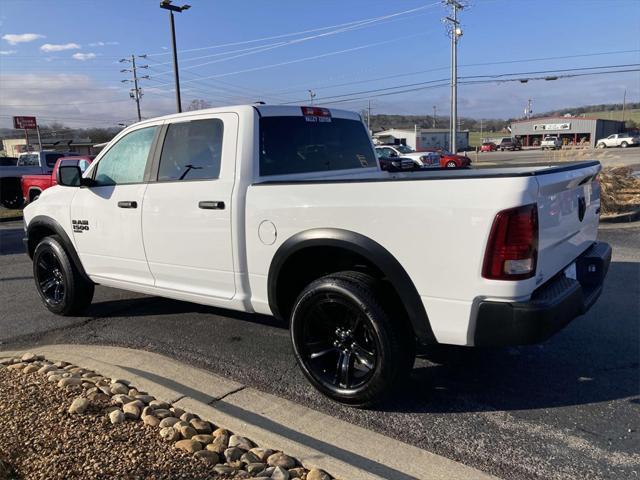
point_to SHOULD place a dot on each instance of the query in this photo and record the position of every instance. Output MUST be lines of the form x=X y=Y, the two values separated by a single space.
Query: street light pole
x=166 y=4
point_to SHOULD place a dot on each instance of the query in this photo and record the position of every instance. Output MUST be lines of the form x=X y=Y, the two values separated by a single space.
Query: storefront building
x=583 y=131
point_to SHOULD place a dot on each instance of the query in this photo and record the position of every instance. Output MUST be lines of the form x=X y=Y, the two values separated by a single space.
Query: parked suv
x=283 y=210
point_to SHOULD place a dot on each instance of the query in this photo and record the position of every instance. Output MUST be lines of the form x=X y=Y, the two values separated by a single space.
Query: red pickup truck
x=33 y=185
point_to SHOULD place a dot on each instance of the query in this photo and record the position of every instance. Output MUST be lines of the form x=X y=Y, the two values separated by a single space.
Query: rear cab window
x=313 y=142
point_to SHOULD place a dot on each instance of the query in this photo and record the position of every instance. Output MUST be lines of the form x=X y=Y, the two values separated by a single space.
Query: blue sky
x=68 y=69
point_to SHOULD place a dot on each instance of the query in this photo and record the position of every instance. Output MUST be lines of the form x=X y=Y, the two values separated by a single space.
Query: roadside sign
x=25 y=123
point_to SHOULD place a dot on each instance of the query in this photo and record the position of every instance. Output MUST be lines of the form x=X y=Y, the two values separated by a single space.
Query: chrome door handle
x=131 y=204
x=211 y=205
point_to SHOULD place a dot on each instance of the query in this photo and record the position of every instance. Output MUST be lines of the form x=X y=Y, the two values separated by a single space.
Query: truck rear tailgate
x=568 y=216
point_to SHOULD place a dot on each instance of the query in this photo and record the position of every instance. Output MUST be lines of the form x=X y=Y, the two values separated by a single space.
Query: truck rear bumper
x=551 y=307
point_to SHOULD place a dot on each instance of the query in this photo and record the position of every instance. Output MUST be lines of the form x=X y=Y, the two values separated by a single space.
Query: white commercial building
x=421 y=139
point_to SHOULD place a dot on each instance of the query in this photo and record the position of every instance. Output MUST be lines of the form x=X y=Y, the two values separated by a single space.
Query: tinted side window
x=28 y=160
x=192 y=151
x=126 y=160
x=295 y=145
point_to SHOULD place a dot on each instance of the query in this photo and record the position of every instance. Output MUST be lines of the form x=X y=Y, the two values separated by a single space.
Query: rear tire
x=347 y=344
x=451 y=164
x=62 y=288
x=624 y=144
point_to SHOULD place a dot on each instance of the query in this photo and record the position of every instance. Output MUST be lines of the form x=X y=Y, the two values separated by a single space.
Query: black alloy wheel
x=50 y=278
x=63 y=288
x=347 y=344
x=338 y=343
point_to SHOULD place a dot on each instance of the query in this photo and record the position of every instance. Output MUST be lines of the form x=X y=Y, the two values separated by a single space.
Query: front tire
x=451 y=164
x=61 y=286
x=601 y=145
x=347 y=344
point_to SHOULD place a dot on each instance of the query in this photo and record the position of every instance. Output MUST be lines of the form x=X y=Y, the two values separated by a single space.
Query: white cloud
x=15 y=38
x=103 y=44
x=8 y=52
x=83 y=57
x=51 y=47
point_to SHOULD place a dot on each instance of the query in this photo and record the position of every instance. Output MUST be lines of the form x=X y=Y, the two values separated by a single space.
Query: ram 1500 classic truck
x=283 y=210
x=551 y=142
x=623 y=140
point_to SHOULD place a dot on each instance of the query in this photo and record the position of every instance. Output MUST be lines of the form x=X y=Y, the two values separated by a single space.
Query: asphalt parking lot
x=609 y=157
x=569 y=408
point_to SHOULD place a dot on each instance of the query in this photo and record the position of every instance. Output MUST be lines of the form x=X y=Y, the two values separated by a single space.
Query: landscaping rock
x=241 y=442
x=158 y=404
x=187 y=417
x=162 y=413
x=17 y=366
x=280 y=474
x=187 y=431
x=70 y=382
x=46 y=369
x=177 y=411
x=79 y=405
x=168 y=422
x=145 y=398
x=207 y=456
x=151 y=420
x=31 y=357
x=203 y=438
x=188 y=445
x=281 y=460
x=119 y=388
x=297 y=472
x=121 y=399
x=31 y=369
x=116 y=416
x=126 y=383
x=131 y=411
x=232 y=454
x=262 y=453
x=317 y=474
x=169 y=434
x=255 y=468
x=201 y=426
x=250 y=458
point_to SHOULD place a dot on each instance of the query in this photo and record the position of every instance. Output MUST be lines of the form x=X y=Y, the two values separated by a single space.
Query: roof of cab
x=265 y=110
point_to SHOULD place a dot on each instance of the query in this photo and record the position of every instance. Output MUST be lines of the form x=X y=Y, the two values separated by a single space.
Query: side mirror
x=69 y=176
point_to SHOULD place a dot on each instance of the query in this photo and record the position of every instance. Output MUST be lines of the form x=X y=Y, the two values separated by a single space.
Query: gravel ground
x=41 y=440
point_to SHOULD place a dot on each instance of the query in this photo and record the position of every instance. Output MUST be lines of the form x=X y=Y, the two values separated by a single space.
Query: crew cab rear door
x=186 y=219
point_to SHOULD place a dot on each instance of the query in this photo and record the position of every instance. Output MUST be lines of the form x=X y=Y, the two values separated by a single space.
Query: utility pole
x=369 y=117
x=166 y=4
x=481 y=139
x=624 y=105
x=528 y=111
x=312 y=95
x=455 y=32
x=136 y=92
x=434 y=116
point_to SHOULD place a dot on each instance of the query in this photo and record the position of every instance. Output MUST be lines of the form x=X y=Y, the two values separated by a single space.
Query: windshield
x=294 y=145
x=404 y=149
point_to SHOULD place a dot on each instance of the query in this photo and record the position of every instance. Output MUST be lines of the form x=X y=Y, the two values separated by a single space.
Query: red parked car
x=488 y=147
x=34 y=185
x=450 y=160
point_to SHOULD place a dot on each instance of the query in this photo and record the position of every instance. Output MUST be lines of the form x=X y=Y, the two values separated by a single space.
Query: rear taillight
x=512 y=249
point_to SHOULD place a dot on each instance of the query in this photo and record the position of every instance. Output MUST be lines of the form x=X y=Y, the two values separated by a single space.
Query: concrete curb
x=345 y=451
x=622 y=218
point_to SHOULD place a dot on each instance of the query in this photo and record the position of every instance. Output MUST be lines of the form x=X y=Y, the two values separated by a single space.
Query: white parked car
x=551 y=142
x=421 y=159
x=284 y=211
x=623 y=140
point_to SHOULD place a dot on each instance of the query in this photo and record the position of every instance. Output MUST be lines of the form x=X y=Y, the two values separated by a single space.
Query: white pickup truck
x=284 y=211
x=551 y=142
x=623 y=140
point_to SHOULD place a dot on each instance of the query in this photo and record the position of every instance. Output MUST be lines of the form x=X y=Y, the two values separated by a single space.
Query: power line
x=303 y=32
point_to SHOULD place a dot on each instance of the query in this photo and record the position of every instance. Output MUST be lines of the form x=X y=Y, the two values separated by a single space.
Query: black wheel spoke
x=48 y=284
x=57 y=293
x=343 y=373
x=365 y=357
x=322 y=353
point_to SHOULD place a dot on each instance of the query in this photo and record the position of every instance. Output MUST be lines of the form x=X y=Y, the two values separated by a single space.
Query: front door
x=107 y=217
x=186 y=218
